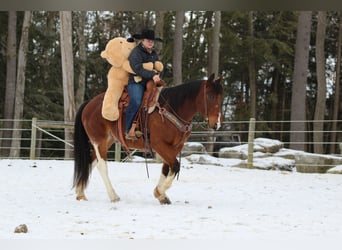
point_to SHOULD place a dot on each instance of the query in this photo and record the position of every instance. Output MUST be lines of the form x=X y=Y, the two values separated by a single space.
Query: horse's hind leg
x=80 y=195
x=102 y=167
x=166 y=178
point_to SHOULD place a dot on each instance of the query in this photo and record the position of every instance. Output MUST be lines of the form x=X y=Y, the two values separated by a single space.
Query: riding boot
x=132 y=134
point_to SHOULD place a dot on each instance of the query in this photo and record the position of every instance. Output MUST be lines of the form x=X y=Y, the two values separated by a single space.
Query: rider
x=144 y=52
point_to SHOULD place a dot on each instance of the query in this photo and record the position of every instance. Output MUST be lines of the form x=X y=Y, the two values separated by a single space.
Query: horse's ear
x=211 y=77
x=218 y=79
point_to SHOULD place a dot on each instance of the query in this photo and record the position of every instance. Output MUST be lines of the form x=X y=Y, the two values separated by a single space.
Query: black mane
x=176 y=95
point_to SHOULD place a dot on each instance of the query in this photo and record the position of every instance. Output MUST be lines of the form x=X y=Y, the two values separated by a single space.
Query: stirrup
x=130 y=137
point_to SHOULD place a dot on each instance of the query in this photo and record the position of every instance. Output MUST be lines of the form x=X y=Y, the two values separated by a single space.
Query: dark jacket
x=138 y=56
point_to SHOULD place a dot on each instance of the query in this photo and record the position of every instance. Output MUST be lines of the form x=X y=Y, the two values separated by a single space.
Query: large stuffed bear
x=116 y=53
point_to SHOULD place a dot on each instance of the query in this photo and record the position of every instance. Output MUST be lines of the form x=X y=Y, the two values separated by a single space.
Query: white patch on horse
x=218 y=121
x=102 y=167
x=165 y=183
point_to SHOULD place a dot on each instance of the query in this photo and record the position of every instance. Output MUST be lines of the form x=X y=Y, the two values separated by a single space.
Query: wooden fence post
x=33 y=138
x=117 y=151
x=251 y=132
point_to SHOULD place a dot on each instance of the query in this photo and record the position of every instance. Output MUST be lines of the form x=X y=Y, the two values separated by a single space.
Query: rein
x=183 y=126
x=187 y=127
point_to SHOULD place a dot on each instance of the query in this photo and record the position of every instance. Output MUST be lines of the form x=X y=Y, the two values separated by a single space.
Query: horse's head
x=212 y=101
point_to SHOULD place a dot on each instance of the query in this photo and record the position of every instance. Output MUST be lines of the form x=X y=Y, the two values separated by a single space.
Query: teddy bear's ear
x=130 y=40
x=104 y=54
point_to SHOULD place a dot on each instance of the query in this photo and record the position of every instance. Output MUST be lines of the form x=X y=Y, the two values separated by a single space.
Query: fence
x=45 y=139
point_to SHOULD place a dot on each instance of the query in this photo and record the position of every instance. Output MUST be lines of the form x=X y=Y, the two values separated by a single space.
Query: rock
x=288 y=153
x=316 y=163
x=21 y=229
x=262 y=145
x=266 y=145
x=274 y=163
x=335 y=170
x=193 y=148
x=232 y=153
x=203 y=159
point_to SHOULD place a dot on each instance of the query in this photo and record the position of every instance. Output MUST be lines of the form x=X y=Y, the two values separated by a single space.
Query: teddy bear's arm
x=158 y=66
x=136 y=62
x=127 y=67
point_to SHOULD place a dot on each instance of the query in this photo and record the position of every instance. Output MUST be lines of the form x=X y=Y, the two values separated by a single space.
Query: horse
x=169 y=128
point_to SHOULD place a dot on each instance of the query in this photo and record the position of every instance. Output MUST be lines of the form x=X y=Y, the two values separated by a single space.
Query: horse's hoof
x=115 y=199
x=81 y=198
x=165 y=201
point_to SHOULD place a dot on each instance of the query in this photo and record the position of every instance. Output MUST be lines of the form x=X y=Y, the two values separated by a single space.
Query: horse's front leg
x=166 y=178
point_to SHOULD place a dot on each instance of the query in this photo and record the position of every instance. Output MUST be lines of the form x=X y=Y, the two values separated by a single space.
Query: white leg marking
x=165 y=183
x=80 y=195
x=102 y=167
x=161 y=180
x=93 y=164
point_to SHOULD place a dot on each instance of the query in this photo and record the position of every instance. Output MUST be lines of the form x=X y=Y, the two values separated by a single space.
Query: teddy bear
x=116 y=53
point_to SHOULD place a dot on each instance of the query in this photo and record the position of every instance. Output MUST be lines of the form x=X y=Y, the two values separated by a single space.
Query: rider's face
x=148 y=43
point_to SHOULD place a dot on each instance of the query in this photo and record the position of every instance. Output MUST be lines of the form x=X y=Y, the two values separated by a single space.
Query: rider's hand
x=156 y=78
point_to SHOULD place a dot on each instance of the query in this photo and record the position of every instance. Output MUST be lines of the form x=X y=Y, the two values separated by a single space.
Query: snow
x=336 y=170
x=213 y=200
x=273 y=163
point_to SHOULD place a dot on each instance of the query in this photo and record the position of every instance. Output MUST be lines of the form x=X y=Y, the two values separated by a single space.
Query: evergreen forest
x=275 y=65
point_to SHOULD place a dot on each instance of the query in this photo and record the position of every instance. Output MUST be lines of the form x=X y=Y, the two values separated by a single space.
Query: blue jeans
x=135 y=92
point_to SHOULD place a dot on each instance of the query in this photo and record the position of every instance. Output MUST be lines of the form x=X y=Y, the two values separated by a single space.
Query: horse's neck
x=198 y=104
x=190 y=109
x=188 y=113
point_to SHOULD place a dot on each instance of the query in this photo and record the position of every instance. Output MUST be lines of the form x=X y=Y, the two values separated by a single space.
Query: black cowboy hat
x=147 y=34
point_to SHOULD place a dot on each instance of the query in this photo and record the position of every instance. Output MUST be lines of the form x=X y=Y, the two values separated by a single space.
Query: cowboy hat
x=147 y=34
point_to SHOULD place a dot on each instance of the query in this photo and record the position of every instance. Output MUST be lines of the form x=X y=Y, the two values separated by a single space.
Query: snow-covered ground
x=209 y=201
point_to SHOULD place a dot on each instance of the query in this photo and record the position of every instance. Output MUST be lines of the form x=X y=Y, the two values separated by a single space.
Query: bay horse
x=169 y=128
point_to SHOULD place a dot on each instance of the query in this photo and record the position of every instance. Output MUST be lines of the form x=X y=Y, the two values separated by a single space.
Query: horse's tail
x=82 y=147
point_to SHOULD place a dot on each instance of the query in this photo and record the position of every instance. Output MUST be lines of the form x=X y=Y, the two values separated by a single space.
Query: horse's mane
x=176 y=96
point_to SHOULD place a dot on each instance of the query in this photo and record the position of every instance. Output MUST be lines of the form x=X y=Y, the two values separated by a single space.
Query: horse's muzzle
x=214 y=123
x=218 y=123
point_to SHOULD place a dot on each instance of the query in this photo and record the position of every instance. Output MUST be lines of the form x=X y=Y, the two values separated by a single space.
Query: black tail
x=82 y=148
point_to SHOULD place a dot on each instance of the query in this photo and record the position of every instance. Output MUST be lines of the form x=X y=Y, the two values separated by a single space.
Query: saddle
x=149 y=102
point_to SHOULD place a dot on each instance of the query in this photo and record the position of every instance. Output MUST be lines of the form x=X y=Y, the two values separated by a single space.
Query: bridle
x=206 y=116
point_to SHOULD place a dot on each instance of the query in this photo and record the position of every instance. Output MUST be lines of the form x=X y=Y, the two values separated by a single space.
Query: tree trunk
x=178 y=48
x=159 y=31
x=274 y=96
x=215 y=44
x=298 y=100
x=214 y=68
x=20 y=88
x=68 y=76
x=337 y=89
x=80 y=90
x=318 y=124
x=10 y=83
x=251 y=68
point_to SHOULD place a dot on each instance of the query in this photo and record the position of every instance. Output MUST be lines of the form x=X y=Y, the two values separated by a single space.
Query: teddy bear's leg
x=110 y=110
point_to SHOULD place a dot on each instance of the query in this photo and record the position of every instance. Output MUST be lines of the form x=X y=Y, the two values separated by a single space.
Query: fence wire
x=49 y=142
